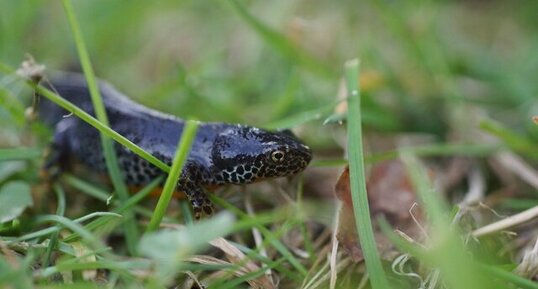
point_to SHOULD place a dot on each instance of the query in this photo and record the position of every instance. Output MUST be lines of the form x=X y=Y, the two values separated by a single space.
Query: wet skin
x=221 y=153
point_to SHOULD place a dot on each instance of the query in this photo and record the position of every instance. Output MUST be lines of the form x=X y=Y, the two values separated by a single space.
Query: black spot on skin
x=281 y=169
x=248 y=176
x=248 y=167
x=226 y=175
x=240 y=170
x=140 y=177
x=254 y=170
x=234 y=178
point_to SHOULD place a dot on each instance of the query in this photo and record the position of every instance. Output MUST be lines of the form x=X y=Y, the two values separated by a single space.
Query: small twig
x=519 y=167
x=528 y=267
x=334 y=249
x=417 y=223
x=195 y=279
x=398 y=267
x=509 y=222
x=258 y=239
x=364 y=281
x=477 y=188
x=320 y=279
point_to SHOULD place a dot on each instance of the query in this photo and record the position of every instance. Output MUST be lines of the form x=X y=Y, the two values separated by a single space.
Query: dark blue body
x=221 y=153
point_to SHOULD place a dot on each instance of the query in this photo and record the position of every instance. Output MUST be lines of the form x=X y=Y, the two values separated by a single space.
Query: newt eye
x=277 y=156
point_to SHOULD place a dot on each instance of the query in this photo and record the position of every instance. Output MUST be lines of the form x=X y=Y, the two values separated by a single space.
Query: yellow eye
x=277 y=156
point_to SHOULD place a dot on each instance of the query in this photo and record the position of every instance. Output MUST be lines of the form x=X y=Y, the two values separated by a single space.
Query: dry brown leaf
x=391 y=195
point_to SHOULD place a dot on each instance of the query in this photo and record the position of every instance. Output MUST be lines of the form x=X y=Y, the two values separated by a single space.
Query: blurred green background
x=279 y=63
x=428 y=68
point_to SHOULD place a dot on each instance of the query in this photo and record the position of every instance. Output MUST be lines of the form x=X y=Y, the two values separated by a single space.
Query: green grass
x=183 y=149
x=444 y=88
x=111 y=159
x=357 y=179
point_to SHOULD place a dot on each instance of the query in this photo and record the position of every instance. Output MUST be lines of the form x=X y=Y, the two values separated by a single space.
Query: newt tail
x=221 y=153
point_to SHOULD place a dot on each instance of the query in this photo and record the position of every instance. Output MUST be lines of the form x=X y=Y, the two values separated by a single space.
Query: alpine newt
x=221 y=153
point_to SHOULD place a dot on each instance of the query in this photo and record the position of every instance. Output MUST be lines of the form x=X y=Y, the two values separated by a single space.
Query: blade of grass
x=235 y=283
x=435 y=207
x=60 y=210
x=269 y=237
x=97 y=223
x=306 y=116
x=442 y=149
x=438 y=150
x=131 y=230
x=509 y=277
x=19 y=154
x=186 y=211
x=448 y=253
x=357 y=180
x=85 y=187
x=303 y=227
x=50 y=230
x=139 y=196
x=421 y=253
x=75 y=227
x=281 y=44
x=118 y=267
x=182 y=152
x=12 y=105
x=514 y=141
x=256 y=256
x=104 y=196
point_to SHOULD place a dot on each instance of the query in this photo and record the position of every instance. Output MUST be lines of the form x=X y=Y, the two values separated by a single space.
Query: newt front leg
x=190 y=183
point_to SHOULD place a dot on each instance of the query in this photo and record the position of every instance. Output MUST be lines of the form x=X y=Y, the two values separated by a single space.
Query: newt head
x=243 y=154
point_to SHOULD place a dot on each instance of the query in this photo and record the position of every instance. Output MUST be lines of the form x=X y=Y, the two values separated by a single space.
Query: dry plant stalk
x=523 y=170
x=528 y=267
x=509 y=222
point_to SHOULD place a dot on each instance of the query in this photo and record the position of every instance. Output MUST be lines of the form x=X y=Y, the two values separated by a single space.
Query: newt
x=221 y=154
